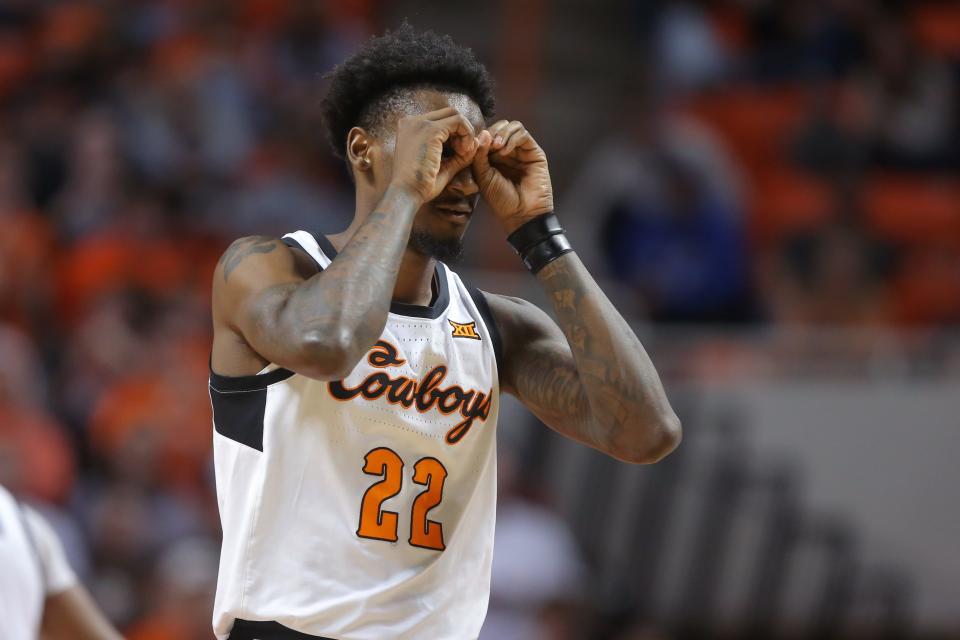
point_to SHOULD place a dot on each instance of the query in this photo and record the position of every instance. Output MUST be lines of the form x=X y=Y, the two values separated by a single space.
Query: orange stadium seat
x=180 y=56
x=15 y=61
x=35 y=446
x=168 y=408
x=26 y=248
x=71 y=26
x=109 y=262
x=784 y=201
x=264 y=16
x=756 y=123
x=916 y=210
x=729 y=25
x=159 y=626
x=927 y=288
x=937 y=27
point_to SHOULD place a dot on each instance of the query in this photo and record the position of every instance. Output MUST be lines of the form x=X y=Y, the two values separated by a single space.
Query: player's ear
x=359 y=150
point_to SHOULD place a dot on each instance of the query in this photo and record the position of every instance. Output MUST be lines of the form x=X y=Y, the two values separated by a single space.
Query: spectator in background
x=684 y=253
x=834 y=275
x=826 y=143
x=796 y=39
x=628 y=167
x=26 y=246
x=831 y=276
x=690 y=55
x=43 y=123
x=36 y=458
x=22 y=379
x=93 y=189
x=898 y=111
x=907 y=101
x=138 y=137
x=281 y=190
x=830 y=297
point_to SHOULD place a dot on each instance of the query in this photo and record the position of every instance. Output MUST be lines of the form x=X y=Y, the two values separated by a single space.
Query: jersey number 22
x=379 y=524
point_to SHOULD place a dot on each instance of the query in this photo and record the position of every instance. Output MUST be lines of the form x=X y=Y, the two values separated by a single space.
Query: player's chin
x=440 y=239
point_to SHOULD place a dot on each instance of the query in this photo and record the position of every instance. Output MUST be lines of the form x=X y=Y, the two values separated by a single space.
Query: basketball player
x=356 y=378
x=39 y=592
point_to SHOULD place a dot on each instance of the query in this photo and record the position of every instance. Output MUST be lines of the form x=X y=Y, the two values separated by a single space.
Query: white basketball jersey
x=32 y=566
x=363 y=508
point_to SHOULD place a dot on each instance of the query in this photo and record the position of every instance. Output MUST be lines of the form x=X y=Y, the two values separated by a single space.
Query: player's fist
x=431 y=149
x=511 y=170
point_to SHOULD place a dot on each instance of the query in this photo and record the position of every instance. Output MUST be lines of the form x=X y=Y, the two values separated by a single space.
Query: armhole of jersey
x=314 y=245
x=239 y=405
x=483 y=307
x=255 y=382
x=310 y=245
x=239 y=402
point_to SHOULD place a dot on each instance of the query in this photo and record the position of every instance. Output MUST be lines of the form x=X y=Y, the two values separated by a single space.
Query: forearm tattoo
x=351 y=296
x=612 y=389
x=356 y=288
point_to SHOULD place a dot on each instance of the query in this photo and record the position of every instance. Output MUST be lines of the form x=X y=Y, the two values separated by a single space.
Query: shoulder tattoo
x=240 y=249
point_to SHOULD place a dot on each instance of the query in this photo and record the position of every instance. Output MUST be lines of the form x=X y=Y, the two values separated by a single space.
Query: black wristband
x=535 y=231
x=540 y=255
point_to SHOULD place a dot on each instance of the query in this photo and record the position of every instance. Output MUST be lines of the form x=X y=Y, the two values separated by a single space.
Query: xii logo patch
x=464 y=330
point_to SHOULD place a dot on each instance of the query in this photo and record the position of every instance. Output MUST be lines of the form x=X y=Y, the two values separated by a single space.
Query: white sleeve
x=58 y=576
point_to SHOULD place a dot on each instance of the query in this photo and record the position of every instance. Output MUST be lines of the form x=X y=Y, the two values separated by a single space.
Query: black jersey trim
x=325 y=245
x=480 y=300
x=439 y=304
x=434 y=310
x=239 y=415
x=295 y=244
x=248 y=630
x=255 y=382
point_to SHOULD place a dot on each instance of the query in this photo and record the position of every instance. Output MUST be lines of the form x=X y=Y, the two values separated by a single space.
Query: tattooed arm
x=588 y=378
x=270 y=305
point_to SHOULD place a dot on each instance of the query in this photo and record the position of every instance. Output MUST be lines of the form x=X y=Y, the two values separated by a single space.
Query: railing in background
x=815 y=492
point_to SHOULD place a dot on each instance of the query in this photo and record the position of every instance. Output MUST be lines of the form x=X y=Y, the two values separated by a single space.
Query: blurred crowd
x=138 y=139
x=784 y=163
x=787 y=162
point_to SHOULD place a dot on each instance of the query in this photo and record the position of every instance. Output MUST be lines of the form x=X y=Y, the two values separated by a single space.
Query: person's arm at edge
x=69 y=613
x=73 y=615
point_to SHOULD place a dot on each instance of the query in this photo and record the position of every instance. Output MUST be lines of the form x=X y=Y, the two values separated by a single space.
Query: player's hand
x=511 y=170
x=431 y=149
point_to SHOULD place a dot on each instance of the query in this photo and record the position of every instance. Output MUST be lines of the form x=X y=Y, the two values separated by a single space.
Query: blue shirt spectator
x=685 y=253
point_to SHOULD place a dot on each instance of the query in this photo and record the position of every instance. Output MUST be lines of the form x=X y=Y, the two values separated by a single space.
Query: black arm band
x=540 y=255
x=534 y=231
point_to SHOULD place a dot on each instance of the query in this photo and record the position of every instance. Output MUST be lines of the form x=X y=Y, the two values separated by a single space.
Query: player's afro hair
x=365 y=87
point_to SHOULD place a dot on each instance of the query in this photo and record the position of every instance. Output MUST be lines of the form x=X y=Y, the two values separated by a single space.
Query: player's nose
x=463 y=183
